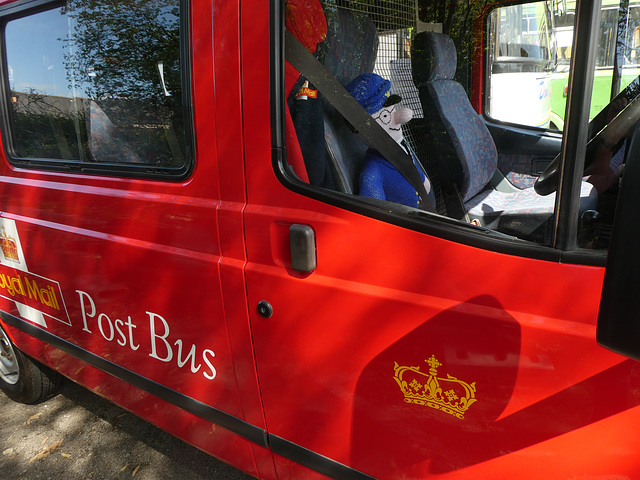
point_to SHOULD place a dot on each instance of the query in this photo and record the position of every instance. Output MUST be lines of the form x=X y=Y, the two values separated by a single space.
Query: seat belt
x=297 y=54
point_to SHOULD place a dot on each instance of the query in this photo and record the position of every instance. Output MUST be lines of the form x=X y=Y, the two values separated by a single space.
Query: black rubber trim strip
x=314 y=460
x=191 y=405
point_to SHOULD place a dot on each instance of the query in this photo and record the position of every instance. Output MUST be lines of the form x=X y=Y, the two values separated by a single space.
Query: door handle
x=302 y=240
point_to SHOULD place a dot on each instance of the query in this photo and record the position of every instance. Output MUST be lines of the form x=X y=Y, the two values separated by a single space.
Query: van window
x=99 y=83
x=529 y=60
x=443 y=68
x=432 y=58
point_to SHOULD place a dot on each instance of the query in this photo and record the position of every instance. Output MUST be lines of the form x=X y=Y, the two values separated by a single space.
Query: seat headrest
x=351 y=45
x=433 y=57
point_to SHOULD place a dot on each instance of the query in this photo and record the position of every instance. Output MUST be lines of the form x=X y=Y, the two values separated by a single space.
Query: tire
x=22 y=379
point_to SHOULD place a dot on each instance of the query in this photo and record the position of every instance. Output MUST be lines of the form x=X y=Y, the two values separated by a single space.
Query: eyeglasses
x=385 y=115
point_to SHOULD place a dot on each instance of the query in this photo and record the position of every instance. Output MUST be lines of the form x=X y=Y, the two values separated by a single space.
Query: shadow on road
x=79 y=435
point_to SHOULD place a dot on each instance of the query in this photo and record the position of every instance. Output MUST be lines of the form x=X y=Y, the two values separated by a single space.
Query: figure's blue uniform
x=380 y=179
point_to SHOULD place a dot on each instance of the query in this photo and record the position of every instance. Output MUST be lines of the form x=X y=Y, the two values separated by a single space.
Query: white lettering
x=192 y=354
x=212 y=375
x=161 y=345
x=154 y=336
x=122 y=341
x=111 y=332
x=131 y=327
x=82 y=294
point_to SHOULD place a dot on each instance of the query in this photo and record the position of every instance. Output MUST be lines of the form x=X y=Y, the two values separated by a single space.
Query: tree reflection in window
x=98 y=81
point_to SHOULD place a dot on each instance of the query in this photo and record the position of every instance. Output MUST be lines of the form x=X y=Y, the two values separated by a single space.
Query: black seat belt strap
x=355 y=114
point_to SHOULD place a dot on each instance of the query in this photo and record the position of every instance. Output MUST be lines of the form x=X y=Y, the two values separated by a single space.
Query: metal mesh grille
x=395 y=22
x=386 y=14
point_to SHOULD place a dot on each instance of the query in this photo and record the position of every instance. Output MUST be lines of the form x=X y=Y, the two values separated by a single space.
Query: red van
x=192 y=227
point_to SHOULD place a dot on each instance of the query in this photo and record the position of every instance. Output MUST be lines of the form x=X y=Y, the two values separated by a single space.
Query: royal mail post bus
x=223 y=216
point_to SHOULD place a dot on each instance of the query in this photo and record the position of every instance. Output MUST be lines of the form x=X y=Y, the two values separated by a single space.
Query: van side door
x=416 y=345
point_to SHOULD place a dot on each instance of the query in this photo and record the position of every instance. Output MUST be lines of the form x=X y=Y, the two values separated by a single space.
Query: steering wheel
x=620 y=127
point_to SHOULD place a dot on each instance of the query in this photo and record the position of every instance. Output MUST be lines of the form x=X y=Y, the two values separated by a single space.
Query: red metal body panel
x=326 y=358
x=143 y=269
x=522 y=331
x=231 y=176
x=163 y=279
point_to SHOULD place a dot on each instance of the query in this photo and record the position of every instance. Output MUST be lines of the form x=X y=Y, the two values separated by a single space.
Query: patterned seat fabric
x=527 y=201
x=462 y=138
x=349 y=49
x=331 y=151
x=351 y=45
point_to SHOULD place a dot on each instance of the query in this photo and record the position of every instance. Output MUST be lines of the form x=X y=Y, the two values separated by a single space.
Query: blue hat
x=372 y=92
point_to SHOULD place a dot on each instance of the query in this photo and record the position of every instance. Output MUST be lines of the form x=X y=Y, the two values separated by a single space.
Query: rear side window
x=98 y=83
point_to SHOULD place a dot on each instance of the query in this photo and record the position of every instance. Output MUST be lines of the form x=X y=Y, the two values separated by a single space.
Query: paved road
x=79 y=436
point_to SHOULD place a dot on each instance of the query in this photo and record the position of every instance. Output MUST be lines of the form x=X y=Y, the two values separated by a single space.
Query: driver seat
x=460 y=135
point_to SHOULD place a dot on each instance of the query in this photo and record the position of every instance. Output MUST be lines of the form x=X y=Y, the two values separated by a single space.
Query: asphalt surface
x=78 y=435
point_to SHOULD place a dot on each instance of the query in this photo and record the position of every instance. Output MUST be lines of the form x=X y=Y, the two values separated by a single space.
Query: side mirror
x=619 y=317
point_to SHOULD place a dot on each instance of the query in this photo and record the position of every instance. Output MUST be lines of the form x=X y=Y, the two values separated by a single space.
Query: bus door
x=111 y=251
x=396 y=343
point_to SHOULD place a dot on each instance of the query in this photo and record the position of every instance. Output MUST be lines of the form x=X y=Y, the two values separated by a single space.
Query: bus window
x=613 y=111
x=521 y=57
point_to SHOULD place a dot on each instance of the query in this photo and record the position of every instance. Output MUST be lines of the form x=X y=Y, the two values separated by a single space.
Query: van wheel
x=22 y=379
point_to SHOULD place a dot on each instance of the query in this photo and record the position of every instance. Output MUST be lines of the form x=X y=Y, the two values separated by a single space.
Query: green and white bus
x=529 y=67
x=521 y=61
x=617 y=58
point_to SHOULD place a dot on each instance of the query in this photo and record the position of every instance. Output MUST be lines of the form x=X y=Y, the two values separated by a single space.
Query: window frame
x=405 y=217
x=25 y=8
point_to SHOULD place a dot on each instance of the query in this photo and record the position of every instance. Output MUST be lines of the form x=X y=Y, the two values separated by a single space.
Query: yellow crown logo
x=9 y=246
x=448 y=395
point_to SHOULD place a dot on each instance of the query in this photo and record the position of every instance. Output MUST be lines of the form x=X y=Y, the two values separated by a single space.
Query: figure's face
x=392 y=118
